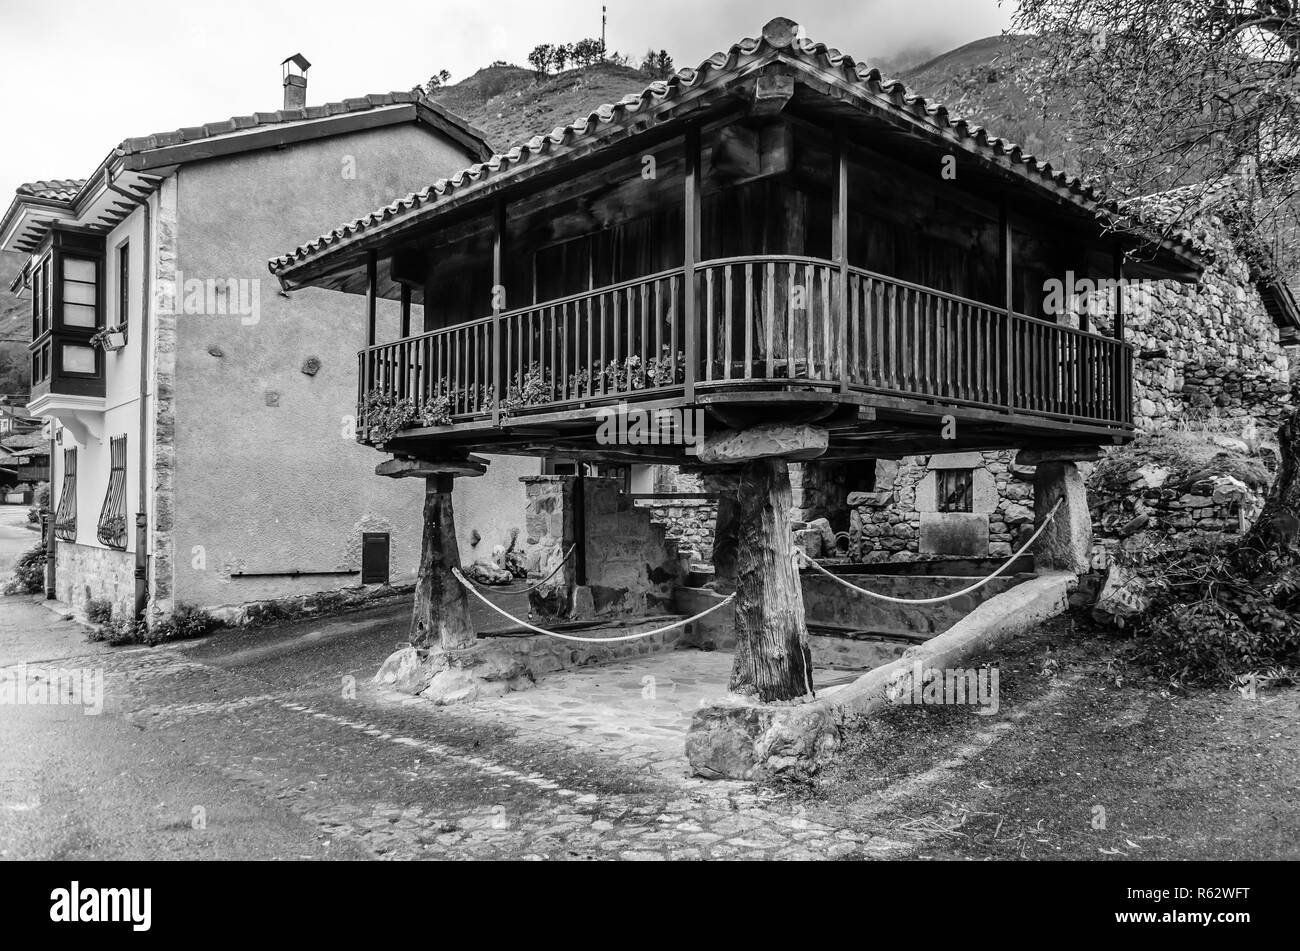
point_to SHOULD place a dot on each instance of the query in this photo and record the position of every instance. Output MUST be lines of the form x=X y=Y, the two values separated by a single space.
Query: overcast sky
x=79 y=76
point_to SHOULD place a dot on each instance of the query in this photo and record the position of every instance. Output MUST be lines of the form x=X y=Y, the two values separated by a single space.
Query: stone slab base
x=503 y=663
x=739 y=740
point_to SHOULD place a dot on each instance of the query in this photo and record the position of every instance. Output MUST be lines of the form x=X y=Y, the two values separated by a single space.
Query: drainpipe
x=142 y=515
x=47 y=523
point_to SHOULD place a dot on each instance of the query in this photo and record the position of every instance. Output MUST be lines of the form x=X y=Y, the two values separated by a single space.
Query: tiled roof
x=161 y=140
x=780 y=36
x=68 y=189
x=23 y=441
x=59 y=189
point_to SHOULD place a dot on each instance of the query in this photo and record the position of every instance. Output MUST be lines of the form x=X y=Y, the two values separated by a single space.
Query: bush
x=185 y=622
x=99 y=611
x=1214 y=613
x=29 y=573
x=40 y=503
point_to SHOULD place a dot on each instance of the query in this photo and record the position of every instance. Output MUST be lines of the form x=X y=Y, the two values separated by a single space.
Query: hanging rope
x=534 y=587
x=584 y=640
x=947 y=597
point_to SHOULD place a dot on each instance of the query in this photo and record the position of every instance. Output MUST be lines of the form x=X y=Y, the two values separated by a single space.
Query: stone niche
x=956 y=533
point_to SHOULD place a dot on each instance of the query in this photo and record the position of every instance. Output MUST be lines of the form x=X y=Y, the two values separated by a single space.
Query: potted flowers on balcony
x=110 y=338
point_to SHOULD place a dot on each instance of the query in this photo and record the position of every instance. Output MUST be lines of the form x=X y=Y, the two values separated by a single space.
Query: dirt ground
x=1085 y=760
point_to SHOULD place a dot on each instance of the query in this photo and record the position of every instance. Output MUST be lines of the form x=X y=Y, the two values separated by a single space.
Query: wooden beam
x=406 y=311
x=372 y=294
x=1005 y=253
x=498 y=289
x=840 y=247
x=692 y=217
x=1123 y=402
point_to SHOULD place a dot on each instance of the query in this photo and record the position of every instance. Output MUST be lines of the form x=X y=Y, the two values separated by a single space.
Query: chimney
x=295 y=81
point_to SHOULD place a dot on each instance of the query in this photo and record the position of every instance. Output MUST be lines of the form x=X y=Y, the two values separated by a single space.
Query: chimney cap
x=297 y=59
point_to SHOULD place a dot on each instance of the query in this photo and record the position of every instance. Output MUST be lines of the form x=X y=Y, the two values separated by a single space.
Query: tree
x=589 y=51
x=561 y=53
x=657 y=65
x=1197 y=99
x=436 y=81
x=540 y=59
x=1187 y=95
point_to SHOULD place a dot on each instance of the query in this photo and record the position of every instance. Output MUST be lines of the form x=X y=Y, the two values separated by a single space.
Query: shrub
x=99 y=610
x=29 y=573
x=183 y=623
x=1213 y=613
x=40 y=503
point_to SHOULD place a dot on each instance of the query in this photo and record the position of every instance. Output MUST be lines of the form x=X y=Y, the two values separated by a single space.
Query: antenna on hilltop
x=603 y=18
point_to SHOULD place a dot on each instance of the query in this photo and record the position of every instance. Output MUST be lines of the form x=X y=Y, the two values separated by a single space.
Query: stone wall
x=900 y=520
x=83 y=572
x=631 y=567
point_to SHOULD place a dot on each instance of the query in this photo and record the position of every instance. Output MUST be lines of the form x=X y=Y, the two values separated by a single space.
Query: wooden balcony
x=765 y=332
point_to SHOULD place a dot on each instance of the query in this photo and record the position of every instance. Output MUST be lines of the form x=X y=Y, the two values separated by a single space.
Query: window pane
x=78 y=293
x=78 y=315
x=78 y=359
x=75 y=269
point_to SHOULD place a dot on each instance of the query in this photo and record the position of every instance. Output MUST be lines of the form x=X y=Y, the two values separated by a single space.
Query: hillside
x=996 y=83
x=13 y=324
x=510 y=106
x=990 y=80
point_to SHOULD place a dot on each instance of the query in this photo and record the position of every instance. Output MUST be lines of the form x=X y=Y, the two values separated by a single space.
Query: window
x=112 y=517
x=65 y=519
x=954 y=489
x=80 y=293
x=374 y=558
x=123 y=286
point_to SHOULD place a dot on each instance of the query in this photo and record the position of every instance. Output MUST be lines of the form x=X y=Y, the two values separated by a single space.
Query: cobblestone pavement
x=289 y=718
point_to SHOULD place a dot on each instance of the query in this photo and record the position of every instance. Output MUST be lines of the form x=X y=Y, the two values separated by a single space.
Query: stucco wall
x=267 y=474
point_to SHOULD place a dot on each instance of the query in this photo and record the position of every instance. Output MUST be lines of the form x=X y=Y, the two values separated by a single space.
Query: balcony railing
x=764 y=321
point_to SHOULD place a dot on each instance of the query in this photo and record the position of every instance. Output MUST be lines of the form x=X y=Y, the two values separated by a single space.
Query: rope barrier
x=947 y=597
x=534 y=587
x=584 y=640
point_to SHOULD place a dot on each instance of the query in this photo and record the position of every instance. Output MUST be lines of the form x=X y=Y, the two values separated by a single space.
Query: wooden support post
x=406 y=311
x=840 y=248
x=1122 y=401
x=1008 y=300
x=772 y=659
x=372 y=296
x=441 y=614
x=692 y=256
x=498 y=292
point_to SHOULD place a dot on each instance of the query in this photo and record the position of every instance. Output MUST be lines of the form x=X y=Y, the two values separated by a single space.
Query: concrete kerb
x=738 y=739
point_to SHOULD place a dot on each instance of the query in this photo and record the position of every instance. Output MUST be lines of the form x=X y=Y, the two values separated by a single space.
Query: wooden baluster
x=854 y=329
x=645 y=331
x=629 y=302
x=727 y=308
x=769 y=313
x=830 y=360
x=659 y=319
x=749 y=320
x=708 y=323
x=673 y=285
x=809 y=314
x=791 y=275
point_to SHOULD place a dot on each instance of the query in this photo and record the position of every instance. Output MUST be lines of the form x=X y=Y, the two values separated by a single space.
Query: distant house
x=202 y=419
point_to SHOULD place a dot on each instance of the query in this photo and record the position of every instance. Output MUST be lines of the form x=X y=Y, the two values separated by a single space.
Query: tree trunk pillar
x=441 y=614
x=772 y=660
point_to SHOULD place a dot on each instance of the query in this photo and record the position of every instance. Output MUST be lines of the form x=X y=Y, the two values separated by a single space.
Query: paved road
x=253 y=745
x=14 y=538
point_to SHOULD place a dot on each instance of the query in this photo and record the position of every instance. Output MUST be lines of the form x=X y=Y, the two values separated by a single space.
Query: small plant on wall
x=110 y=339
